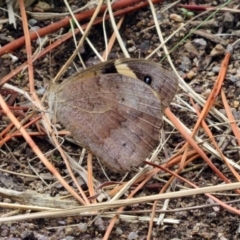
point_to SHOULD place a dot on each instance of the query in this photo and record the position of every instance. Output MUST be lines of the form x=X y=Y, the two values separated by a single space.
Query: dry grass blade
x=118 y=203
x=11 y=16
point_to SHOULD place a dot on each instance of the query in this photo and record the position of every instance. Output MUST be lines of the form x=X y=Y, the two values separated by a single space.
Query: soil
x=197 y=59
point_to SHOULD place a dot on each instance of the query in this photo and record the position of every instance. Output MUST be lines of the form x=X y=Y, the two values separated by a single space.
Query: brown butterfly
x=115 y=109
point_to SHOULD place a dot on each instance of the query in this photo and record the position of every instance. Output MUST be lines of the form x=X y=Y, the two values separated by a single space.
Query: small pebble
x=27 y=235
x=210 y=73
x=221 y=236
x=69 y=238
x=198 y=89
x=74 y=7
x=82 y=227
x=191 y=74
x=100 y=224
x=62 y=222
x=68 y=231
x=235 y=104
x=200 y=43
x=32 y=21
x=206 y=93
x=186 y=64
x=144 y=46
x=176 y=17
x=216 y=69
x=7 y=200
x=41 y=91
x=119 y=231
x=132 y=49
x=132 y=236
x=43 y=6
x=238 y=230
x=212 y=215
x=232 y=78
x=217 y=50
x=41 y=237
x=236 y=114
x=238 y=83
x=4 y=233
x=159 y=16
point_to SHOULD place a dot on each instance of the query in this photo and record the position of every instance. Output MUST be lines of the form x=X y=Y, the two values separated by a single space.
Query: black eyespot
x=147 y=79
x=123 y=99
x=124 y=144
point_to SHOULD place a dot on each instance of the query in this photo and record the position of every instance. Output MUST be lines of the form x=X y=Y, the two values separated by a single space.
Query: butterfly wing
x=116 y=117
x=163 y=81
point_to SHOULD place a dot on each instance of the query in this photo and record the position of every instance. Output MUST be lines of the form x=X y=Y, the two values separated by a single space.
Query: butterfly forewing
x=116 y=117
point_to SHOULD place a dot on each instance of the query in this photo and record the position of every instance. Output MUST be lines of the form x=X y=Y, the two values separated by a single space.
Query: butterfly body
x=111 y=111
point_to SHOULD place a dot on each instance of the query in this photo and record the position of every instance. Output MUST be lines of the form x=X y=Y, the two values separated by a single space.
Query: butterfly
x=115 y=109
